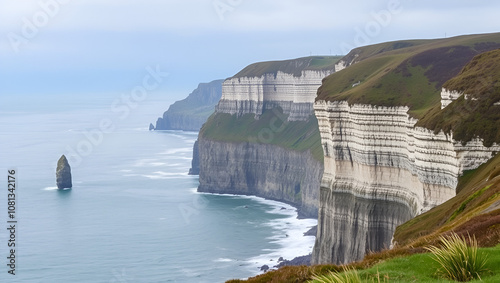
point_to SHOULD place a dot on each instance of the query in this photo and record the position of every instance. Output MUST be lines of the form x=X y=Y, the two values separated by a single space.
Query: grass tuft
x=349 y=275
x=458 y=260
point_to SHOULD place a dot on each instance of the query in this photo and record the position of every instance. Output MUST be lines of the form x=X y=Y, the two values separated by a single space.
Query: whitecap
x=174 y=164
x=223 y=260
x=169 y=173
x=289 y=235
x=50 y=188
x=165 y=175
x=156 y=164
x=178 y=136
x=148 y=163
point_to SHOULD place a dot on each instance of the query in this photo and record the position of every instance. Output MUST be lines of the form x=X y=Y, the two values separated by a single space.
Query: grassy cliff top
x=297 y=135
x=409 y=73
x=479 y=115
x=481 y=77
x=294 y=66
x=361 y=53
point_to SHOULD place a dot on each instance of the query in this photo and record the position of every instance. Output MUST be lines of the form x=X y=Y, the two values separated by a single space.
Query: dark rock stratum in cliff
x=63 y=173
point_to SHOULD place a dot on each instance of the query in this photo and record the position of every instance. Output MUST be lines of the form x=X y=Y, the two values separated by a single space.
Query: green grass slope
x=294 y=66
x=362 y=53
x=476 y=117
x=411 y=268
x=409 y=73
x=271 y=128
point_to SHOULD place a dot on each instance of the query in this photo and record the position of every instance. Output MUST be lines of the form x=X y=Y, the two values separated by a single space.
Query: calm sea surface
x=133 y=214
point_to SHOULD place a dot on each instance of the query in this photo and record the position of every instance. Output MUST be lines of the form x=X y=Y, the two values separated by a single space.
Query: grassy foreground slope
x=412 y=268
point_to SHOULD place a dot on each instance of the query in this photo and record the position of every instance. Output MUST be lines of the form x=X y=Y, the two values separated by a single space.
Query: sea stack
x=63 y=173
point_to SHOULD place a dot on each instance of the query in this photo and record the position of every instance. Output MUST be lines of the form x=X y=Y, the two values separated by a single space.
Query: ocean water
x=133 y=214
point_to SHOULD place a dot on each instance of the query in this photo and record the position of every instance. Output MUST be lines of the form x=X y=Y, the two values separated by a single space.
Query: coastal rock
x=63 y=174
x=264 y=268
x=300 y=260
x=151 y=127
x=381 y=171
x=312 y=232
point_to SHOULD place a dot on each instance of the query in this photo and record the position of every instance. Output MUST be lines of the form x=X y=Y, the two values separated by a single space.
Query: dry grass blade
x=347 y=276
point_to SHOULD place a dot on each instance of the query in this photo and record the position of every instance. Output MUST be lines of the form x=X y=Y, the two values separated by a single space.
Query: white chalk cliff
x=448 y=97
x=294 y=94
x=381 y=171
x=258 y=167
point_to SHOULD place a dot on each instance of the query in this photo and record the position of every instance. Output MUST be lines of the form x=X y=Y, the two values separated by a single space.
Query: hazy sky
x=103 y=46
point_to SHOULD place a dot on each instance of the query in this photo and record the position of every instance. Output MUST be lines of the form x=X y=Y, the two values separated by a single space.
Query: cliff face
x=396 y=142
x=294 y=95
x=264 y=170
x=195 y=162
x=190 y=113
x=381 y=171
x=263 y=139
